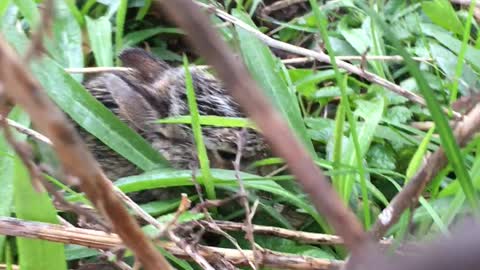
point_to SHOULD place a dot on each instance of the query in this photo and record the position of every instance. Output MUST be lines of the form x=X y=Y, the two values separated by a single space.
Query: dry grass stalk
x=102 y=240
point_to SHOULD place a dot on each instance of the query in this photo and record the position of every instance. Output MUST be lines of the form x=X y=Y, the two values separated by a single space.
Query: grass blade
x=29 y=10
x=211 y=120
x=74 y=11
x=100 y=36
x=4 y=6
x=32 y=205
x=463 y=50
x=143 y=10
x=222 y=178
x=67 y=38
x=197 y=134
x=120 y=24
x=133 y=38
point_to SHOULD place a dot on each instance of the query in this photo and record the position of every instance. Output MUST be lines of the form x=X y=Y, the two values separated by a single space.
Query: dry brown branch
x=164 y=229
x=24 y=90
x=102 y=240
x=238 y=81
x=322 y=57
x=304 y=237
x=185 y=245
x=409 y=195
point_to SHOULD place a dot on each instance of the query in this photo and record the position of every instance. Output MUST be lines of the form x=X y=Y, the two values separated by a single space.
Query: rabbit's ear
x=148 y=66
x=132 y=106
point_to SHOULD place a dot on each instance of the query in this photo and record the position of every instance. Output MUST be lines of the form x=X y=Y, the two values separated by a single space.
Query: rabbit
x=153 y=90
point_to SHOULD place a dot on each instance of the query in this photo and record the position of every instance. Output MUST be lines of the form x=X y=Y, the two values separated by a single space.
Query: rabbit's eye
x=227 y=156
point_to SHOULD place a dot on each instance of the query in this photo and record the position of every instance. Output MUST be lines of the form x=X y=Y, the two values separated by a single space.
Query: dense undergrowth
x=369 y=140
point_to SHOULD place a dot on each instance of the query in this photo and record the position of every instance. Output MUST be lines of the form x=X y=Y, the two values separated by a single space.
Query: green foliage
x=451 y=148
x=442 y=13
x=210 y=120
x=100 y=37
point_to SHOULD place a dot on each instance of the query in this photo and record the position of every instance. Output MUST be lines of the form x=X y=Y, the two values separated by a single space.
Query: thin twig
x=192 y=252
x=27 y=131
x=289 y=61
x=184 y=205
x=243 y=192
x=303 y=237
x=162 y=228
x=393 y=58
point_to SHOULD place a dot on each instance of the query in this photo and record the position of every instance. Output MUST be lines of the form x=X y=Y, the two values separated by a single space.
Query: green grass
x=451 y=148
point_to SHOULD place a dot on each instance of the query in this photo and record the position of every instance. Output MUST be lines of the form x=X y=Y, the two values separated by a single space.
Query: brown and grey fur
x=154 y=90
